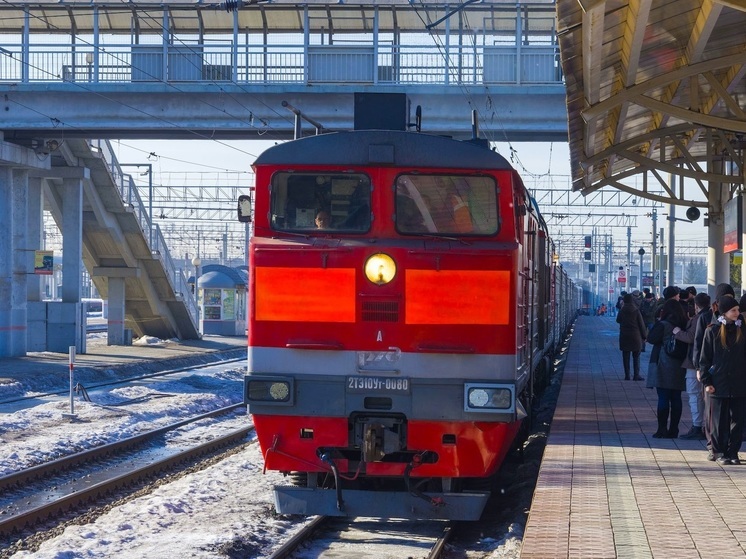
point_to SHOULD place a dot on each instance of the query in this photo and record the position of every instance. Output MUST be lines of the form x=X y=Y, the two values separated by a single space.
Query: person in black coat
x=632 y=334
x=722 y=364
x=708 y=317
x=694 y=389
x=665 y=372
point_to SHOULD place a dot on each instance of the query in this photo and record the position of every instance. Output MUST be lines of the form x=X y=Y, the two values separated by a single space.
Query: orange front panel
x=285 y=449
x=305 y=294
x=457 y=297
x=479 y=450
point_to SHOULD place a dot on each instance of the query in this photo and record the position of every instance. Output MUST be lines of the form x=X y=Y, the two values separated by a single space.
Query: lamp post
x=196 y=262
x=641 y=252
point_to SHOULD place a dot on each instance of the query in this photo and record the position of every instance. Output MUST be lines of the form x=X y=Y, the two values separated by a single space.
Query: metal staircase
x=118 y=234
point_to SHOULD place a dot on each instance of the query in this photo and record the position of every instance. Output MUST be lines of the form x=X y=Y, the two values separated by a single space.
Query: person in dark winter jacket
x=686 y=298
x=720 y=290
x=723 y=371
x=665 y=372
x=670 y=292
x=693 y=385
x=632 y=334
x=705 y=319
x=647 y=308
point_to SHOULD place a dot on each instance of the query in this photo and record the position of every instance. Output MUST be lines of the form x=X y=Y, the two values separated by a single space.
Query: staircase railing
x=158 y=249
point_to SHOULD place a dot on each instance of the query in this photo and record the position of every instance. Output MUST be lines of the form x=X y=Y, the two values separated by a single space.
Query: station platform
x=608 y=489
x=48 y=372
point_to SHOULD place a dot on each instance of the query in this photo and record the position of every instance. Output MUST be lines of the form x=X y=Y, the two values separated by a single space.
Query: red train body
x=404 y=302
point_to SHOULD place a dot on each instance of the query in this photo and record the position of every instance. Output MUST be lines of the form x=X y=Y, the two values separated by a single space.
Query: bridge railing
x=158 y=248
x=281 y=63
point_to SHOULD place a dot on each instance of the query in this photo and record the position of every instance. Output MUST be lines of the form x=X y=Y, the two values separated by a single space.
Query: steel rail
x=308 y=531
x=130 y=379
x=21 y=521
x=73 y=460
x=440 y=544
x=303 y=535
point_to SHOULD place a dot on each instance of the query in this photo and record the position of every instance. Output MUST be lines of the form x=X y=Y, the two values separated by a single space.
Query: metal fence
x=278 y=64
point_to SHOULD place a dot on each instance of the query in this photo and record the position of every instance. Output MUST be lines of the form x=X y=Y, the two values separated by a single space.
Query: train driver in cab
x=455 y=216
x=323 y=220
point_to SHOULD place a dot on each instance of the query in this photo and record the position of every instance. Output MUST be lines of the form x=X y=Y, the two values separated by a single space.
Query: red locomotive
x=404 y=301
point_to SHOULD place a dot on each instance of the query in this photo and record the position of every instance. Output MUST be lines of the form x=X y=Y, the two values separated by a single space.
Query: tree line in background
x=695 y=272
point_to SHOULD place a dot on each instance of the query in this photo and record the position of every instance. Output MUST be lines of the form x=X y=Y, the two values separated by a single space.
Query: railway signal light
x=587 y=254
x=588 y=241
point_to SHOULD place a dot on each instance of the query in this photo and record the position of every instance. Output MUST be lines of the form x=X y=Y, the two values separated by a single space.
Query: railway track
x=35 y=494
x=92 y=387
x=326 y=538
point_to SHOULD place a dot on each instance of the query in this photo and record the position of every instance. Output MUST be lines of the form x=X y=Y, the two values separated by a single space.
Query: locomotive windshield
x=446 y=205
x=320 y=201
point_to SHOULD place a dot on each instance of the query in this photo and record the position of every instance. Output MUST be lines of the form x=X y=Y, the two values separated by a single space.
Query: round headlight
x=478 y=398
x=279 y=390
x=380 y=269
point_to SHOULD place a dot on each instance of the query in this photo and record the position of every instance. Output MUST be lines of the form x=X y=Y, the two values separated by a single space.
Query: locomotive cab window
x=446 y=205
x=322 y=202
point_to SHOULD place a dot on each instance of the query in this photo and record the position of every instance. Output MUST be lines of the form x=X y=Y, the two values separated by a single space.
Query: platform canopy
x=655 y=87
x=273 y=16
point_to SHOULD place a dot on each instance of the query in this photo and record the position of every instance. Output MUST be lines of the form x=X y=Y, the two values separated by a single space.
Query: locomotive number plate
x=377 y=384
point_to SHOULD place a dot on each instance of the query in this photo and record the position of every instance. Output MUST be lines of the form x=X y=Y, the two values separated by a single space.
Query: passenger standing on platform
x=708 y=317
x=632 y=334
x=693 y=385
x=647 y=308
x=665 y=372
x=720 y=290
x=686 y=298
x=620 y=300
x=670 y=292
x=724 y=378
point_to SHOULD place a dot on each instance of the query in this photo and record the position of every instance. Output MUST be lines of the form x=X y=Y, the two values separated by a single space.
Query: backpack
x=675 y=348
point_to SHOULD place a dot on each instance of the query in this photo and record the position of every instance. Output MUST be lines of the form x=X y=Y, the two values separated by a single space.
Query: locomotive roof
x=383 y=147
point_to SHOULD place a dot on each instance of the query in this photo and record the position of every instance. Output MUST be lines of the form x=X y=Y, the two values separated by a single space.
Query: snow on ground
x=216 y=512
x=151 y=341
x=40 y=434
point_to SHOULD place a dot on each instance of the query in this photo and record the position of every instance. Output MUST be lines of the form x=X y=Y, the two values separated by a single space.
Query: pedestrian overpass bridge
x=274 y=70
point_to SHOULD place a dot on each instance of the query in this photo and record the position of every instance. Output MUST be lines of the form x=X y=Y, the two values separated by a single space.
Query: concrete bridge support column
x=116 y=279
x=34 y=231
x=36 y=309
x=6 y=257
x=116 y=311
x=21 y=249
x=72 y=239
x=66 y=325
x=12 y=262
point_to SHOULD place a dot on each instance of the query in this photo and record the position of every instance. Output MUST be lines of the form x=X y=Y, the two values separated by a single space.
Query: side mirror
x=692 y=214
x=244 y=208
